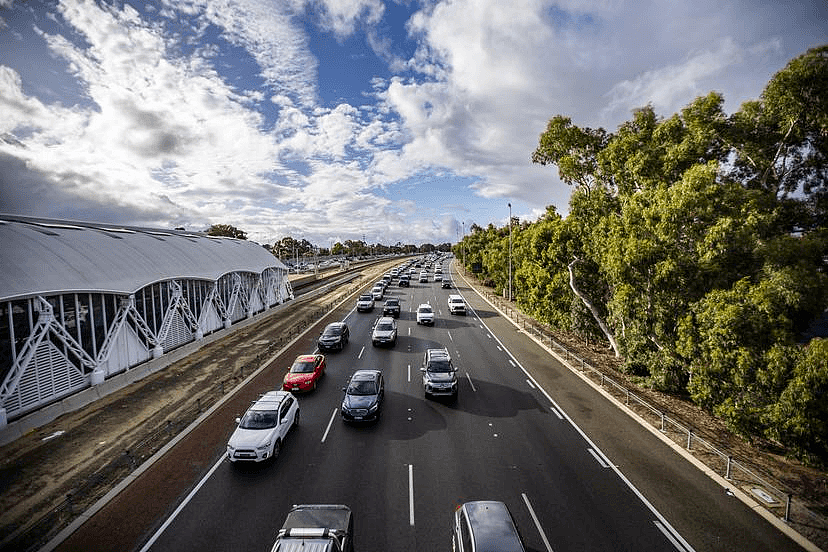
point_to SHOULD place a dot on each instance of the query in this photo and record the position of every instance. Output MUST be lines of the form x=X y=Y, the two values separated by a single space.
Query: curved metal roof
x=45 y=257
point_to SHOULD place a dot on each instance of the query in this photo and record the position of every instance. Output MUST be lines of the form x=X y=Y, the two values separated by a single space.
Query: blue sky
x=389 y=121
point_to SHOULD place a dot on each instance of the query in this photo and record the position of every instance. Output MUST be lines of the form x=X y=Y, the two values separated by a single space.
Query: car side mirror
x=238 y=420
x=422 y=369
x=344 y=389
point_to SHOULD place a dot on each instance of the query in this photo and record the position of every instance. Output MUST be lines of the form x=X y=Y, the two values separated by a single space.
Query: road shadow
x=453 y=322
x=493 y=400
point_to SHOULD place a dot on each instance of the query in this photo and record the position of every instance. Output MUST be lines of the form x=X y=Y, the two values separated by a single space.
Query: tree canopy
x=696 y=247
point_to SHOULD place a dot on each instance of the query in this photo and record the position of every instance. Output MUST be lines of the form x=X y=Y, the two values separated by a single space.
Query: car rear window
x=362 y=387
x=302 y=367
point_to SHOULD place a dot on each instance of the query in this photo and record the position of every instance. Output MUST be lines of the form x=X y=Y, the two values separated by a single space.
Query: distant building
x=80 y=302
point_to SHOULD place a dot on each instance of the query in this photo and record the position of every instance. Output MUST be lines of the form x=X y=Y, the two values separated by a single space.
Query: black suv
x=363 y=396
x=391 y=308
x=334 y=336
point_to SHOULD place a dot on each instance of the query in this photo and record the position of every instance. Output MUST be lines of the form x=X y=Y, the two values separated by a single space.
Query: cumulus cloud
x=668 y=88
x=159 y=127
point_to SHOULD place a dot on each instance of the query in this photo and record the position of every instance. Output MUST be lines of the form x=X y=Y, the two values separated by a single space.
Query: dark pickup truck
x=391 y=308
x=316 y=528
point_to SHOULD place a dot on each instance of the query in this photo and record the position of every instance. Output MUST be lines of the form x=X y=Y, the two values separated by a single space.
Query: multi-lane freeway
x=575 y=472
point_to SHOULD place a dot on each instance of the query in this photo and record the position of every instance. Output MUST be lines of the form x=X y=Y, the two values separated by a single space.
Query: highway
x=575 y=473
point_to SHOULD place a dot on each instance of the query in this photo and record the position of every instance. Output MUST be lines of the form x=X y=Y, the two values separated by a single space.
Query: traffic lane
x=510 y=439
x=137 y=511
x=243 y=505
x=696 y=506
x=323 y=461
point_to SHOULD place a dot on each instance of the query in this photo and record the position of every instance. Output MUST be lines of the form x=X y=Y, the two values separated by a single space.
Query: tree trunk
x=592 y=309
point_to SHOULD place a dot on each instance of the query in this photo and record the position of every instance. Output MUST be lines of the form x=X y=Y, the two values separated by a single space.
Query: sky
x=397 y=121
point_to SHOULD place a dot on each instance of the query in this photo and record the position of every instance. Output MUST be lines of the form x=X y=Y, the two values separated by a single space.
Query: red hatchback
x=305 y=373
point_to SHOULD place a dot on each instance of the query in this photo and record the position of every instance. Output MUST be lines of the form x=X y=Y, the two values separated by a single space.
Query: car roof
x=424 y=305
x=492 y=526
x=392 y=300
x=269 y=401
x=305 y=358
x=336 y=325
x=437 y=353
x=364 y=375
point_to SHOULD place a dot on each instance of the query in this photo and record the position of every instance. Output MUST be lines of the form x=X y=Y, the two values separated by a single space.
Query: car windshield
x=362 y=387
x=440 y=366
x=385 y=327
x=332 y=332
x=392 y=302
x=365 y=298
x=425 y=309
x=302 y=367
x=259 y=419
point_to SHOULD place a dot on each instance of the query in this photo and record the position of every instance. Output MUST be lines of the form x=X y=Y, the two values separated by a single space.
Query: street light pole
x=510 y=252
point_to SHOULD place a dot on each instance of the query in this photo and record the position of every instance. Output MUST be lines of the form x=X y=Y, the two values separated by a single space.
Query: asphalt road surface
x=575 y=472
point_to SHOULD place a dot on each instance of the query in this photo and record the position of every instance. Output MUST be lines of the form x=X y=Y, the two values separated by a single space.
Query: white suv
x=425 y=314
x=456 y=304
x=263 y=428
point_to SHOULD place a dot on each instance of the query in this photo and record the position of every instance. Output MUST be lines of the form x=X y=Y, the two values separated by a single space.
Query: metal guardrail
x=770 y=495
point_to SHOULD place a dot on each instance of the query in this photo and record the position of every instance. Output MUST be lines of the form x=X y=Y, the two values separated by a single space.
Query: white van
x=456 y=304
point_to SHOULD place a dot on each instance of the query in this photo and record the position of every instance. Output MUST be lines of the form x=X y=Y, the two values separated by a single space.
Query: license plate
x=357 y=417
x=295 y=388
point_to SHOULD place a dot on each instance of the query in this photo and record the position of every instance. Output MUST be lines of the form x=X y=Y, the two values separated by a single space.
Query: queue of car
x=261 y=431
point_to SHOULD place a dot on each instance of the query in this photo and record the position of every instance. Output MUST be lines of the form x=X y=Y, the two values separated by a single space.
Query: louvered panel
x=179 y=333
x=238 y=312
x=210 y=320
x=48 y=377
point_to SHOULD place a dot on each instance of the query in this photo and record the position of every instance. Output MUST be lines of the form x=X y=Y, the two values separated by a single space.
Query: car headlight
x=263 y=447
x=373 y=407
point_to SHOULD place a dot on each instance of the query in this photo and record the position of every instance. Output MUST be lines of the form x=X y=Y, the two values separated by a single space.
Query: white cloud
x=669 y=88
x=342 y=16
x=164 y=131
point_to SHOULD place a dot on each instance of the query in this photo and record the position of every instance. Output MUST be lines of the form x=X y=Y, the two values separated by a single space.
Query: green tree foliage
x=697 y=246
x=226 y=231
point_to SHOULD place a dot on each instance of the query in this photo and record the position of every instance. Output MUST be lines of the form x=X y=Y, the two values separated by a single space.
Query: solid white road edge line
x=537 y=522
x=598 y=458
x=669 y=536
x=330 y=423
x=181 y=506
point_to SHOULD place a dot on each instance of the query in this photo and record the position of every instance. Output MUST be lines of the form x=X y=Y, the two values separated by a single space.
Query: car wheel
x=296 y=420
x=277 y=446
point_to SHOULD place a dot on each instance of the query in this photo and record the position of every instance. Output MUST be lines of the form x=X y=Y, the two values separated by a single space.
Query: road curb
x=797 y=537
